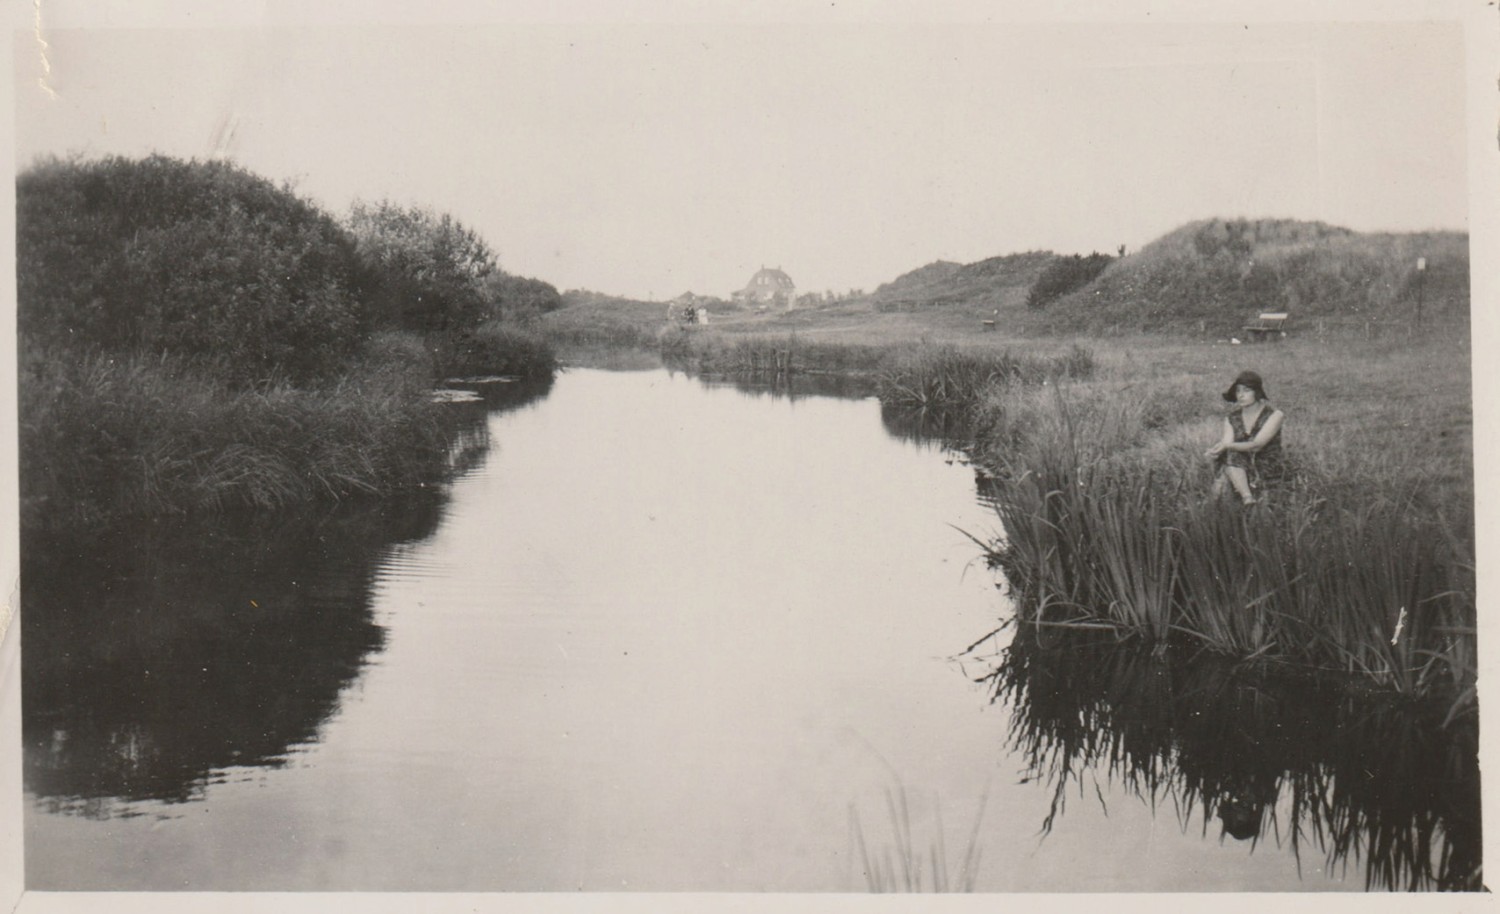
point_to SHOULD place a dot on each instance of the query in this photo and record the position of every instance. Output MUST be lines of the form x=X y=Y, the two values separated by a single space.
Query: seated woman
x=1249 y=454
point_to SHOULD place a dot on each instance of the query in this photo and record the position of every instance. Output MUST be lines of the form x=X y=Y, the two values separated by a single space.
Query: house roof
x=770 y=279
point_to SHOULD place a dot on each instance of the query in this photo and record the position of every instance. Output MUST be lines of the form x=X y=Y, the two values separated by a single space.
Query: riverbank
x=103 y=437
x=194 y=337
x=1362 y=567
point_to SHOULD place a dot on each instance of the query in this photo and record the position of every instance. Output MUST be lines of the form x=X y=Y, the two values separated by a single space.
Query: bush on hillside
x=199 y=260
x=421 y=271
x=1064 y=275
x=517 y=298
x=497 y=348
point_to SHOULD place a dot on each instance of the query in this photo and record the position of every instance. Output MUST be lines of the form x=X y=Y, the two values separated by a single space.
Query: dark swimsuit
x=1264 y=466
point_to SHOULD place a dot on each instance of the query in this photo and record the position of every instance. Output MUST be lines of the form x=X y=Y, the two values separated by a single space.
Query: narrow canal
x=665 y=635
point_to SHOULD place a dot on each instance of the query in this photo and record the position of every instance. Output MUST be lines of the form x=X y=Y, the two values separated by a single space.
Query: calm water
x=665 y=635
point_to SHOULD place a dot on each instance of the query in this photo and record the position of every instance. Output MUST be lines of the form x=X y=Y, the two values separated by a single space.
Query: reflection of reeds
x=899 y=866
x=1368 y=782
x=909 y=376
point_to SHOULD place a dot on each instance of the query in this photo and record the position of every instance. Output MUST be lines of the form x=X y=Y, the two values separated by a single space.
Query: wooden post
x=1421 y=281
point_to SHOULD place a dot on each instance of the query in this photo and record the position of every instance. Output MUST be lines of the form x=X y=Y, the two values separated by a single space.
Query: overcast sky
x=650 y=160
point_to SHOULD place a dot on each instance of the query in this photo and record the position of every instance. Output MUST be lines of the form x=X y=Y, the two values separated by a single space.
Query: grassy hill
x=997 y=282
x=1205 y=279
x=1211 y=276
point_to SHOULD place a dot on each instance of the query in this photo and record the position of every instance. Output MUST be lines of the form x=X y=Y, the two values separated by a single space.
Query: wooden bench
x=988 y=326
x=1270 y=325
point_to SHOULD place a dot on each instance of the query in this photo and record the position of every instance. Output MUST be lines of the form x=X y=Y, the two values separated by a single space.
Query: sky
x=651 y=159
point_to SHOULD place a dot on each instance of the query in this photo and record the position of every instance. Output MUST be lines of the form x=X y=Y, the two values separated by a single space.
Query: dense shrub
x=518 y=298
x=1064 y=275
x=497 y=348
x=420 y=271
x=200 y=260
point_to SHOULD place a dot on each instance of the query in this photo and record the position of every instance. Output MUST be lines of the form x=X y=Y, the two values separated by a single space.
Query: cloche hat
x=1251 y=380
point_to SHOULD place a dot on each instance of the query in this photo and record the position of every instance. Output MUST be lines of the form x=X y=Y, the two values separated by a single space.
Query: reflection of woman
x=1243 y=810
x=1249 y=453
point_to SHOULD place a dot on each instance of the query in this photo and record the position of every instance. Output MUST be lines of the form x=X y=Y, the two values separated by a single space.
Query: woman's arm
x=1267 y=432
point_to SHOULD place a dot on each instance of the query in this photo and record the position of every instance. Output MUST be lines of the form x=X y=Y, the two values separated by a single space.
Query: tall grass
x=900 y=865
x=947 y=377
x=1101 y=531
x=764 y=356
x=105 y=436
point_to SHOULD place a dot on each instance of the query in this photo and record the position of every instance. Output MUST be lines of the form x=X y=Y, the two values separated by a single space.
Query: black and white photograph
x=679 y=456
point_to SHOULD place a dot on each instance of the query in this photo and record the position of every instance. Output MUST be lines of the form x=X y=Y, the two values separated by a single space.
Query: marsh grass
x=1102 y=529
x=715 y=354
x=933 y=376
x=900 y=864
x=104 y=436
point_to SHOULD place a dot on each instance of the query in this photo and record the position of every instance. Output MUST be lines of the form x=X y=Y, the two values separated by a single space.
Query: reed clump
x=1108 y=524
x=949 y=377
x=106 y=436
x=900 y=865
x=756 y=356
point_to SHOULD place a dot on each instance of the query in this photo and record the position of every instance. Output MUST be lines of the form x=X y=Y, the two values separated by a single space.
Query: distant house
x=768 y=287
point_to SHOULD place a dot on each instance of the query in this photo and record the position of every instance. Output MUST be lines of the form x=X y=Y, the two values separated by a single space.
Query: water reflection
x=470 y=444
x=950 y=431
x=159 y=655
x=1359 y=780
x=939 y=430
x=504 y=394
x=797 y=386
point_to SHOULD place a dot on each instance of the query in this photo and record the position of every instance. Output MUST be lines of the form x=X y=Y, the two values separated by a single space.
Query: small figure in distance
x=1249 y=453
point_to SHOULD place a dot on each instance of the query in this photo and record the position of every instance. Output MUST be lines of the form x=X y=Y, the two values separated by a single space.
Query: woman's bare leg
x=1241 y=483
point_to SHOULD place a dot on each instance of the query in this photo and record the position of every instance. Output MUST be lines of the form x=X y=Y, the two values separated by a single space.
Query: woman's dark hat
x=1251 y=380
